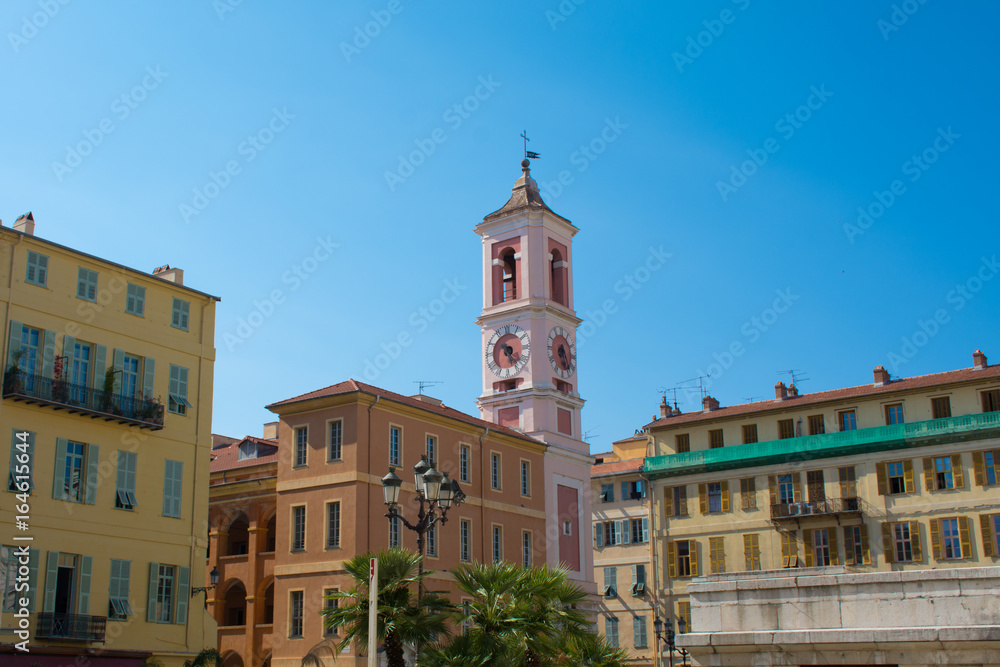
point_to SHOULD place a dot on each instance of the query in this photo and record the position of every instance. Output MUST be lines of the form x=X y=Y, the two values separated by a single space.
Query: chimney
x=978 y=360
x=793 y=391
x=664 y=408
x=25 y=224
x=780 y=393
x=708 y=404
x=881 y=376
x=271 y=431
x=424 y=398
x=166 y=273
x=676 y=412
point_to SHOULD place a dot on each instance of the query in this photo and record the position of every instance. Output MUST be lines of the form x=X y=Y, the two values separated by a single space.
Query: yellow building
x=107 y=399
x=853 y=526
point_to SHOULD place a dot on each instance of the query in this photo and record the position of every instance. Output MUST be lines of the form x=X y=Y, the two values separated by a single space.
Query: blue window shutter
x=148 y=375
x=100 y=365
x=51 y=572
x=114 y=578
x=33 y=557
x=49 y=354
x=183 y=582
x=59 y=478
x=93 y=458
x=83 y=606
x=635 y=575
x=118 y=361
x=599 y=535
x=154 y=574
x=624 y=490
x=645 y=530
x=625 y=530
x=68 y=344
x=168 y=486
x=14 y=345
x=124 y=574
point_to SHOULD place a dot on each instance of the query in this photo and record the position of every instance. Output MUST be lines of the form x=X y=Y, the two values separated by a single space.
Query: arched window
x=508 y=264
x=557 y=278
x=236 y=605
x=239 y=537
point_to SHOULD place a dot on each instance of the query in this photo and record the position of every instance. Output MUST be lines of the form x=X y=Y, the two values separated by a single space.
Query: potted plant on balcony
x=13 y=379
x=108 y=391
x=60 y=389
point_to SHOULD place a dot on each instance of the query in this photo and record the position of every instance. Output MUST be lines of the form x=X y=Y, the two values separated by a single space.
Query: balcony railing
x=142 y=412
x=818 y=508
x=71 y=626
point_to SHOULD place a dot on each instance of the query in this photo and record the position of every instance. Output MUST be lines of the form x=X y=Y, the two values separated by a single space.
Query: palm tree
x=592 y=650
x=400 y=620
x=208 y=657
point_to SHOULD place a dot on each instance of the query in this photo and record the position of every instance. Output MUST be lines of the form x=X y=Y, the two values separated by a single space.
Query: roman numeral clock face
x=562 y=352
x=507 y=350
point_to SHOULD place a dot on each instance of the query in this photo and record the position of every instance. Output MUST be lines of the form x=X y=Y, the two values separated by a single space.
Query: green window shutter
x=93 y=459
x=130 y=466
x=179 y=318
x=599 y=535
x=182 y=385
x=14 y=344
x=154 y=574
x=114 y=585
x=625 y=531
x=183 y=582
x=173 y=483
x=33 y=557
x=83 y=606
x=49 y=354
x=59 y=478
x=118 y=361
x=635 y=575
x=68 y=344
x=51 y=572
x=624 y=490
x=148 y=376
x=100 y=365
x=645 y=529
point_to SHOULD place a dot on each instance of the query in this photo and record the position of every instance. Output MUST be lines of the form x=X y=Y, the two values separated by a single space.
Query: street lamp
x=669 y=637
x=213 y=577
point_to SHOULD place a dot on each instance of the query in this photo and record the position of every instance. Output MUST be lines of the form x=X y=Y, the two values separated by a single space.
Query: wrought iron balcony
x=78 y=398
x=70 y=626
x=816 y=508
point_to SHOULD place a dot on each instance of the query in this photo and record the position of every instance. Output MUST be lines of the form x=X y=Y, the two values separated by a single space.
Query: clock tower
x=529 y=357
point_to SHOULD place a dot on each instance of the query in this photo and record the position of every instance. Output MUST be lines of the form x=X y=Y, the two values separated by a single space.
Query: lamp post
x=213 y=577
x=669 y=638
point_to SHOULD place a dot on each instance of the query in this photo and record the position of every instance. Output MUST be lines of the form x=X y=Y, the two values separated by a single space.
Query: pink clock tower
x=529 y=358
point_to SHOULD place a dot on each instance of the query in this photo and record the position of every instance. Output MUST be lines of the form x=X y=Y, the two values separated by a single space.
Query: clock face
x=507 y=350
x=562 y=352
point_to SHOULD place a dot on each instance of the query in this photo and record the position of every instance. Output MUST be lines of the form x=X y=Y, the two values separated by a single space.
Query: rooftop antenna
x=750 y=399
x=797 y=375
x=587 y=434
x=422 y=384
x=701 y=384
x=528 y=155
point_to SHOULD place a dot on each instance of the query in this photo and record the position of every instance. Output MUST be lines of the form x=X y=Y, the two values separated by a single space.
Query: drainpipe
x=368 y=505
x=10 y=301
x=482 y=495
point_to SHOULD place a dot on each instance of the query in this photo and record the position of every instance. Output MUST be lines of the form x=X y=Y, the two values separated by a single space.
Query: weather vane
x=529 y=155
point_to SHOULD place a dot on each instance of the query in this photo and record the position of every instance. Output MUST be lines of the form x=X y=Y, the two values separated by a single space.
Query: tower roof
x=524 y=195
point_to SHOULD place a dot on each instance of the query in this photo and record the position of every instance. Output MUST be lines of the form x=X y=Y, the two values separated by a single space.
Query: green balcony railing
x=880 y=438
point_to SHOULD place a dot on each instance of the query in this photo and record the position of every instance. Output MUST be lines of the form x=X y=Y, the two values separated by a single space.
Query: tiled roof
x=524 y=195
x=617 y=467
x=861 y=391
x=351 y=386
x=227 y=457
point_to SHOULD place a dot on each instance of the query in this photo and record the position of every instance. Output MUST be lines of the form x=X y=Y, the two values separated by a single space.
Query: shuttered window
x=180 y=314
x=38 y=269
x=86 y=284
x=173 y=485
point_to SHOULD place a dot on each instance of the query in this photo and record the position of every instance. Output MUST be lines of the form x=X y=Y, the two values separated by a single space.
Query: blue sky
x=280 y=151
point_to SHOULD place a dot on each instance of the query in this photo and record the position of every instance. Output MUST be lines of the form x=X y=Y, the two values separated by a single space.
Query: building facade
x=107 y=399
x=870 y=487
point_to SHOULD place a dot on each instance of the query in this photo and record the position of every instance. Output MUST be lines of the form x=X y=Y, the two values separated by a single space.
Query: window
x=941 y=407
x=639 y=631
x=525 y=478
x=295 y=616
x=248 y=450
x=431 y=449
x=786 y=489
x=135 y=300
x=333 y=525
x=901 y=542
x=748 y=493
x=526 y=548
x=640 y=530
x=463 y=462
x=22 y=461
x=79 y=372
x=394 y=532
x=432 y=541
x=179 y=317
x=950 y=538
x=715 y=439
x=31 y=340
x=751 y=551
x=465 y=538
x=508 y=265
x=848 y=482
x=336 y=440
x=986 y=467
x=301 y=445
x=991 y=400
x=990 y=523
x=816 y=425
x=821 y=547
x=610 y=533
x=943 y=472
x=894 y=414
x=633 y=490
x=848 y=420
x=164 y=593
x=395 y=438
x=76 y=472
x=682 y=558
x=607 y=493
x=9 y=562
x=86 y=285
x=330 y=603
x=38 y=269
x=495 y=471
x=497 y=544
x=786 y=429
x=714 y=497
x=178 y=390
x=567 y=527
x=299 y=528
x=816 y=486
x=675 y=501
x=856 y=545
x=684 y=614
x=611 y=631
x=749 y=433
x=173 y=485
x=130 y=374
x=638 y=579
x=789 y=549
x=125 y=484
x=682 y=443
x=717 y=554
x=610 y=582
x=118 y=604
x=895 y=477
